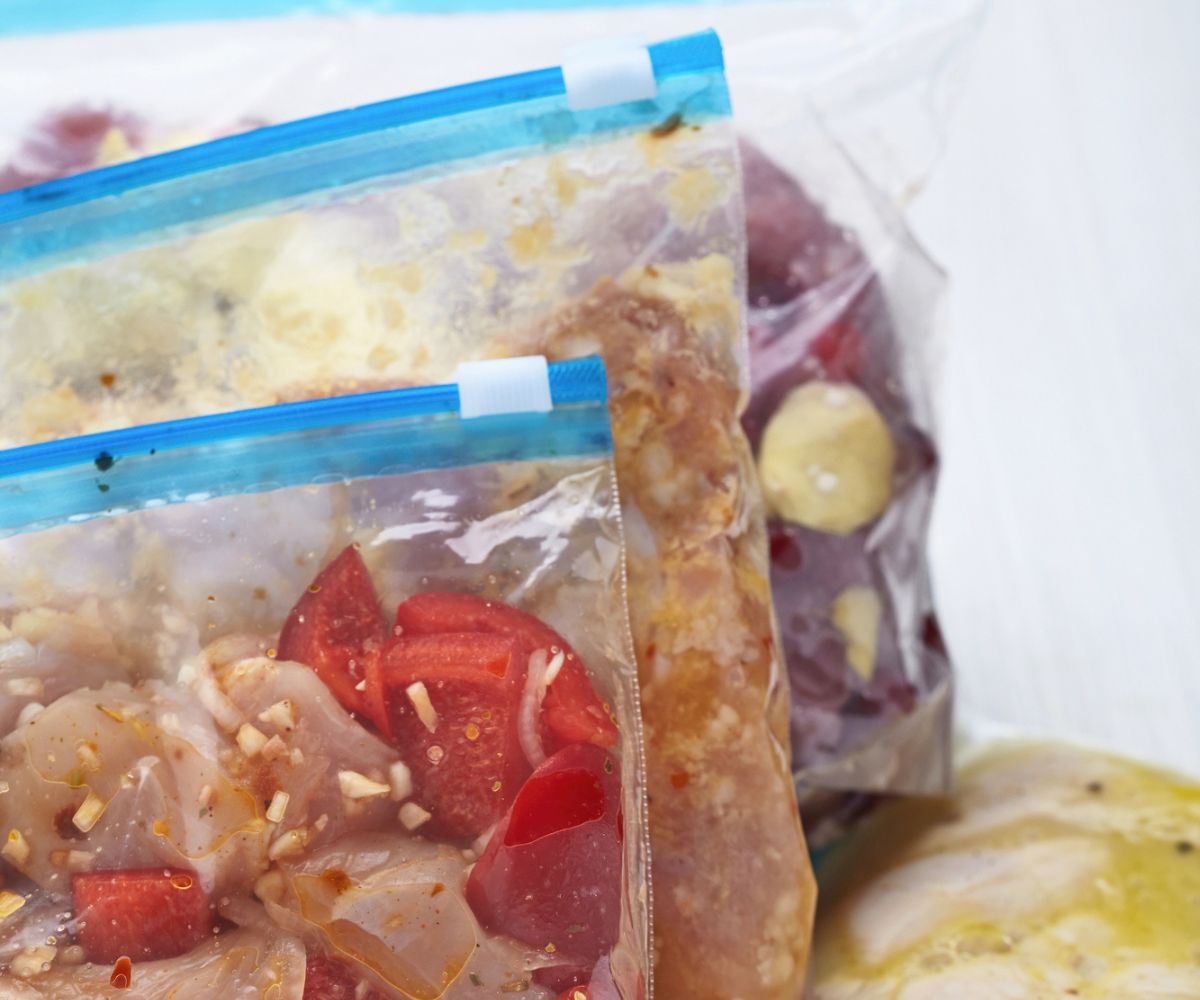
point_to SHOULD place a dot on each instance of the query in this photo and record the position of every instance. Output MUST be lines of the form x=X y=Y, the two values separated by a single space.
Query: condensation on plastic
x=167 y=615
x=628 y=243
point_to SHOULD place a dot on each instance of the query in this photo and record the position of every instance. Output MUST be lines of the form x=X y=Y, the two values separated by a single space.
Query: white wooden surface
x=1067 y=535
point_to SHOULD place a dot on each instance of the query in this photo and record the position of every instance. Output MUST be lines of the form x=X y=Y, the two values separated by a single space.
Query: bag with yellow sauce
x=1053 y=871
x=384 y=245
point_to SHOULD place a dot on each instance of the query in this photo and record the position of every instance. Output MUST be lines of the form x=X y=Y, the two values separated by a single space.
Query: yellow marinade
x=1053 y=871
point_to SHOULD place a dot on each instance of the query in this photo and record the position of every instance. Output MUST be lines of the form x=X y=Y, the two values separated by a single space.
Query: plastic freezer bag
x=843 y=354
x=380 y=246
x=83 y=85
x=328 y=694
x=1052 y=870
x=812 y=83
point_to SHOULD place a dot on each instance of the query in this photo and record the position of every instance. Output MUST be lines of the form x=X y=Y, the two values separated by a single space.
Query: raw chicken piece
x=348 y=897
x=44 y=653
x=727 y=847
x=839 y=422
x=127 y=778
x=235 y=965
x=308 y=740
x=1052 y=872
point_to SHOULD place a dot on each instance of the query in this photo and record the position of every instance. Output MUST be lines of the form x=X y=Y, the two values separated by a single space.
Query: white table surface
x=1066 y=542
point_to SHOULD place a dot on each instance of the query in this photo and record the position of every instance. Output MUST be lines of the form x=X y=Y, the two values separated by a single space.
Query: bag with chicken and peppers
x=331 y=699
x=594 y=208
x=827 y=95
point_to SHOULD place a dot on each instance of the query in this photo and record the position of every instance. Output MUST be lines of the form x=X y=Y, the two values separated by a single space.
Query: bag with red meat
x=843 y=340
x=323 y=701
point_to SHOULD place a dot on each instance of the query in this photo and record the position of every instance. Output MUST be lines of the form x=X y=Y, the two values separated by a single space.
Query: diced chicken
x=306 y=760
x=51 y=654
x=241 y=964
x=133 y=798
x=351 y=892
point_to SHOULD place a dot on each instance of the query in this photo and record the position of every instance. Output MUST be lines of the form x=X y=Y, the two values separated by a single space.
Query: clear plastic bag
x=85 y=85
x=846 y=98
x=843 y=355
x=382 y=246
x=1022 y=881
x=322 y=695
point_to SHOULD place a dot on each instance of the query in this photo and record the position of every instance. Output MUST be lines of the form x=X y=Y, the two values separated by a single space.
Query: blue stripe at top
x=282 y=166
x=47 y=16
x=294 y=444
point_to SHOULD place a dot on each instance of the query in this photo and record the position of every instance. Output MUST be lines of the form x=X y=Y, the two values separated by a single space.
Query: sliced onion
x=538 y=677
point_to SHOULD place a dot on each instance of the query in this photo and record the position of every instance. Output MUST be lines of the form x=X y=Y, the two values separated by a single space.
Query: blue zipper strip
x=285 y=166
x=54 y=16
x=293 y=444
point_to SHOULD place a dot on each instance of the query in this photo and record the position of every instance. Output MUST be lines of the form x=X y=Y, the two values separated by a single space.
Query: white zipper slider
x=503 y=385
x=608 y=71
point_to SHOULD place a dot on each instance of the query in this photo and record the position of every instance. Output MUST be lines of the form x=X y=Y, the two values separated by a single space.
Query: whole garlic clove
x=827 y=458
x=856 y=612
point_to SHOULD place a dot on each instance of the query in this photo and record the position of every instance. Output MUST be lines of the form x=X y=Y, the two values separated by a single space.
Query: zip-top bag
x=828 y=94
x=592 y=209
x=328 y=697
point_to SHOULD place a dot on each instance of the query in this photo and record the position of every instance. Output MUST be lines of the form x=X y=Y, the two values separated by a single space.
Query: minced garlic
x=80 y=860
x=359 y=786
x=10 y=902
x=89 y=812
x=88 y=755
x=278 y=806
x=16 y=848
x=275 y=749
x=413 y=816
x=286 y=844
x=270 y=887
x=250 y=740
x=401 y=781
x=424 y=707
x=281 y=715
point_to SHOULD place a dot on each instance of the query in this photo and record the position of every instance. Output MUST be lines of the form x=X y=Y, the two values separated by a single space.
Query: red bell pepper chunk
x=147 y=913
x=551 y=874
x=336 y=628
x=571 y=712
x=468 y=766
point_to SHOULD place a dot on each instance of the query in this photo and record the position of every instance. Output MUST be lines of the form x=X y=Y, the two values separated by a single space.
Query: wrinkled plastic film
x=844 y=343
x=626 y=241
x=824 y=83
x=150 y=723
